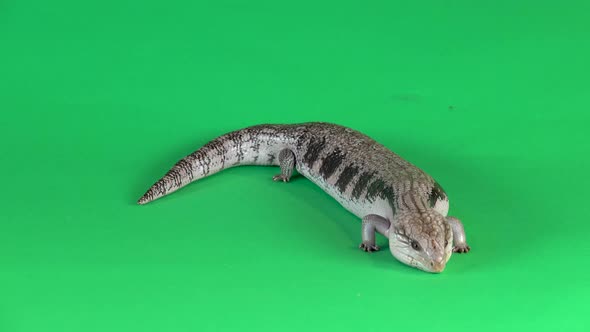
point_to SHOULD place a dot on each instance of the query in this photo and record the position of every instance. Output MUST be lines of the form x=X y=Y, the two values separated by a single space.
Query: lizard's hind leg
x=287 y=163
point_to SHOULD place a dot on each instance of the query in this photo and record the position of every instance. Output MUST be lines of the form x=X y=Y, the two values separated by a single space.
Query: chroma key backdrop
x=99 y=99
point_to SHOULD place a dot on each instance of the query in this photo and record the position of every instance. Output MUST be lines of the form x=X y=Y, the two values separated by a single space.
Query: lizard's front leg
x=372 y=223
x=287 y=163
x=459 y=239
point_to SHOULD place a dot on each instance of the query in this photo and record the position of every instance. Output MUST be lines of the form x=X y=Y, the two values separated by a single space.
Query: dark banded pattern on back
x=437 y=193
x=346 y=176
x=314 y=148
x=331 y=162
x=361 y=184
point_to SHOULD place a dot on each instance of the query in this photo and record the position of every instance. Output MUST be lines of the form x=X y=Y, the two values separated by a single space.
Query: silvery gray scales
x=390 y=195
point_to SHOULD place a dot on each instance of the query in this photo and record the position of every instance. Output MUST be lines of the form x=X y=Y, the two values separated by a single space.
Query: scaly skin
x=390 y=195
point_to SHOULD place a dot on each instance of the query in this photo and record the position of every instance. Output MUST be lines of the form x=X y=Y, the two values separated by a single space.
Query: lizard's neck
x=411 y=202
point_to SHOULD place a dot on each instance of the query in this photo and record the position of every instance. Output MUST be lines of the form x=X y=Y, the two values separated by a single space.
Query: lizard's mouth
x=437 y=267
x=438 y=264
x=432 y=266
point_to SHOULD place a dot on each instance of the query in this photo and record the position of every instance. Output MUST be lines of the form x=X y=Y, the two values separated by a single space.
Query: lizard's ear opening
x=398 y=240
x=396 y=228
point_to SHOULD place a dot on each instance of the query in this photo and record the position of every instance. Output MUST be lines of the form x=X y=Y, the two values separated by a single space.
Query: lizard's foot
x=464 y=248
x=369 y=247
x=281 y=177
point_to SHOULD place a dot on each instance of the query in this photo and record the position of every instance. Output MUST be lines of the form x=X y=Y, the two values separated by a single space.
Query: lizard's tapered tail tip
x=156 y=191
x=146 y=198
x=143 y=200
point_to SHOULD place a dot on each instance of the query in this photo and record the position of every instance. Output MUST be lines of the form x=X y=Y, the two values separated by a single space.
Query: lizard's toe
x=462 y=249
x=280 y=177
x=369 y=247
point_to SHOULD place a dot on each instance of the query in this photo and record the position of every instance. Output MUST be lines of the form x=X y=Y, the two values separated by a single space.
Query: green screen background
x=98 y=99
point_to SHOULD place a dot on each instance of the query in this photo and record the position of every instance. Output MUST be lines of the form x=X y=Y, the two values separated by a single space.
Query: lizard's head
x=421 y=239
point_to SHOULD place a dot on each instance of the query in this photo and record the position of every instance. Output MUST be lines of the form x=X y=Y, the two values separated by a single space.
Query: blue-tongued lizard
x=390 y=195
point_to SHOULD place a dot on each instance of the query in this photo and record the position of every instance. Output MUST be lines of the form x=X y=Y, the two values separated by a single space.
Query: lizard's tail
x=257 y=145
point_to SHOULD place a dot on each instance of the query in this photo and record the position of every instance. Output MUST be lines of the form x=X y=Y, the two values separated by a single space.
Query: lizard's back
x=363 y=175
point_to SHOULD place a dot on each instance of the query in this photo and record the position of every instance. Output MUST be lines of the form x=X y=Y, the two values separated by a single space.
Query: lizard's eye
x=415 y=245
x=446 y=243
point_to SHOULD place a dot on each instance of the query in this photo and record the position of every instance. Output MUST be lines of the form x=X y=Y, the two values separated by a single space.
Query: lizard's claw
x=461 y=249
x=369 y=247
x=281 y=177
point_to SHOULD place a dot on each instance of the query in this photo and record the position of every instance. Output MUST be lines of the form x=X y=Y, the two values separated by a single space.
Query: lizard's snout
x=437 y=265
